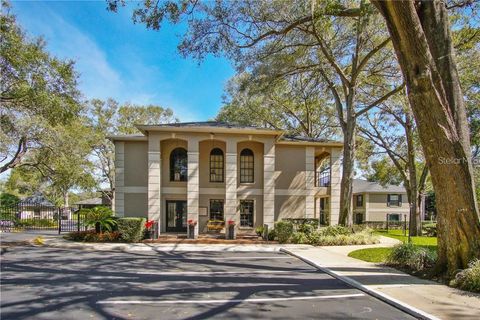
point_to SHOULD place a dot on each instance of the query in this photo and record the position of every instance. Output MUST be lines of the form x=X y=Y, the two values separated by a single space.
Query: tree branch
x=380 y=100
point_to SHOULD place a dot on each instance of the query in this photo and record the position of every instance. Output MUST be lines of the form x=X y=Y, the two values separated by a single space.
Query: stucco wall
x=379 y=201
x=136 y=164
x=290 y=167
x=136 y=205
x=289 y=207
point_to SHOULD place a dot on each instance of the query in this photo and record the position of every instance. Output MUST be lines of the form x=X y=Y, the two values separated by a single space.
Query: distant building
x=104 y=200
x=36 y=206
x=373 y=202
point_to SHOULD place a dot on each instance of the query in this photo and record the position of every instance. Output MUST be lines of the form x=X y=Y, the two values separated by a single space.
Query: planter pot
x=191 y=231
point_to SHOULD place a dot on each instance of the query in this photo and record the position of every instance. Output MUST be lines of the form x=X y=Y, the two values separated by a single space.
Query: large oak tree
x=421 y=35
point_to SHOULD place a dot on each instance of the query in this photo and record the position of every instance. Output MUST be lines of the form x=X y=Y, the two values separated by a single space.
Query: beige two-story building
x=211 y=171
x=373 y=203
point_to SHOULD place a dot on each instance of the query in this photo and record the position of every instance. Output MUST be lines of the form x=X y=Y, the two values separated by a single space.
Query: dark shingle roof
x=217 y=124
x=361 y=186
x=36 y=199
x=304 y=139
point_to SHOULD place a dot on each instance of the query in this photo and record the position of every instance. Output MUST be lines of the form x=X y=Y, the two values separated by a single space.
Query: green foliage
x=8 y=199
x=283 y=230
x=335 y=231
x=398 y=234
x=259 y=230
x=334 y=236
x=384 y=172
x=131 y=229
x=42 y=223
x=468 y=279
x=376 y=255
x=38 y=92
x=91 y=236
x=272 y=234
x=430 y=229
x=300 y=238
x=411 y=257
x=99 y=217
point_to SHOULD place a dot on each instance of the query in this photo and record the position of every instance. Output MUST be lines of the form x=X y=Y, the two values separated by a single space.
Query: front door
x=176 y=216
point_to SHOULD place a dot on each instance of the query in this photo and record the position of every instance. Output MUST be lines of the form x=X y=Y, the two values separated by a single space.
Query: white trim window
x=247 y=212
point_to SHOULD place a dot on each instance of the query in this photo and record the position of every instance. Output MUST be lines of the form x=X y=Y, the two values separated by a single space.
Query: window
x=246 y=213
x=246 y=166
x=216 y=165
x=323 y=173
x=178 y=165
x=394 y=217
x=394 y=200
x=216 y=210
x=360 y=200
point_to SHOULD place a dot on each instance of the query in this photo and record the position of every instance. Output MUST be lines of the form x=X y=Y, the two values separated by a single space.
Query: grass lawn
x=398 y=234
x=378 y=255
x=371 y=255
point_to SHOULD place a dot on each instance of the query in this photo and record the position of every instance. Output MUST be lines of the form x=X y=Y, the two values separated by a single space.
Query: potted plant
x=231 y=229
x=191 y=228
x=149 y=232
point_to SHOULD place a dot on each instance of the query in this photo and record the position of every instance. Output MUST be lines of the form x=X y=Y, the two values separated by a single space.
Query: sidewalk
x=59 y=242
x=431 y=297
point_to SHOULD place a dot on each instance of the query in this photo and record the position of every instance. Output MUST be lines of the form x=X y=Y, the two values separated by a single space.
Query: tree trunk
x=345 y=217
x=65 y=199
x=421 y=36
x=415 y=224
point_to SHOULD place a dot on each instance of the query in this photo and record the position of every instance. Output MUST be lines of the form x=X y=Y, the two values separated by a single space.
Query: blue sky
x=118 y=59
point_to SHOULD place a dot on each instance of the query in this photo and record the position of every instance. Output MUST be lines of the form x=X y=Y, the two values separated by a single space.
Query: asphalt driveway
x=49 y=283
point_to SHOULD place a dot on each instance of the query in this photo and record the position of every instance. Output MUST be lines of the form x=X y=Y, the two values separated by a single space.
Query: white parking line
x=249 y=300
x=169 y=273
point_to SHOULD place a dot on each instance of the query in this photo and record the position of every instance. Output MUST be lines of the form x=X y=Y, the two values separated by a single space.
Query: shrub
x=411 y=257
x=131 y=229
x=300 y=238
x=468 y=279
x=430 y=229
x=259 y=231
x=92 y=236
x=284 y=230
x=99 y=217
x=335 y=231
x=306 y=228
x=272 y=234
x=297 y=223
x=317 y=238
x=42 y=223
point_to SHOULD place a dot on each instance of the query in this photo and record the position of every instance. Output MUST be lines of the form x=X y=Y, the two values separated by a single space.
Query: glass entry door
x=176 y=216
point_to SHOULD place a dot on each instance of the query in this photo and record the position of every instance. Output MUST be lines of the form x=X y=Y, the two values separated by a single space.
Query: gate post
x=59 y=221
x=78 y=220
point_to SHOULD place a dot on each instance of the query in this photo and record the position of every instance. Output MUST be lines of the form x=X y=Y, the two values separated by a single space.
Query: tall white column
x=335 y=181
x=193 y=188
x=119 y=196
x=231 y=182
x=154 y=179
x=269 y=183
x=309 y=182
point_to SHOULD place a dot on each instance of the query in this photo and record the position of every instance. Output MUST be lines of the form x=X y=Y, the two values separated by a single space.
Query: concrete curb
x=138 y=247
x=417 y=313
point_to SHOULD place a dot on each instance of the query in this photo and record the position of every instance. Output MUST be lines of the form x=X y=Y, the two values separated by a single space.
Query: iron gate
x=40 y=217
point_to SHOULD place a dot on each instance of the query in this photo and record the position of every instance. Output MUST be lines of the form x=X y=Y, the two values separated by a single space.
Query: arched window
x=216 y=165
x=246 y=166
x=178 y=165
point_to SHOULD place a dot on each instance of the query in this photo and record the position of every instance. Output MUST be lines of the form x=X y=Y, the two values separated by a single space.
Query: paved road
x=48 y=283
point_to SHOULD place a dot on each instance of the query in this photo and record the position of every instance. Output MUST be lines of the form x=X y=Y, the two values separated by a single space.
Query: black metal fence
x=40 y=217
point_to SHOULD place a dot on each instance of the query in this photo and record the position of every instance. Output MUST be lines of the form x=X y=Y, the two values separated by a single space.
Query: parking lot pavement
x=49 y=283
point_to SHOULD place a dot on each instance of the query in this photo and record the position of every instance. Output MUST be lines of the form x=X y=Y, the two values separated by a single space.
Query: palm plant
x=100 y=217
